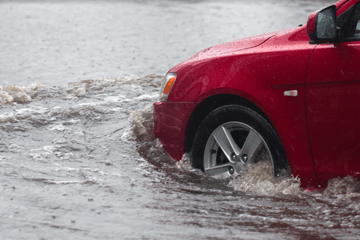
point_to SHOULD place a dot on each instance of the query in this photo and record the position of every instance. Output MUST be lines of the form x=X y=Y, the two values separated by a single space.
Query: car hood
x=234 y=46
x=228 y=48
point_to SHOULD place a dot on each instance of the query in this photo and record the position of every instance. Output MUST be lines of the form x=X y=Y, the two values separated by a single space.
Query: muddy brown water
x=78 y=159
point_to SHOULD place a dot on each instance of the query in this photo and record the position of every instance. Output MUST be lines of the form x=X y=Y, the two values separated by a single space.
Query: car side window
x=343 y=19
x=352 y=29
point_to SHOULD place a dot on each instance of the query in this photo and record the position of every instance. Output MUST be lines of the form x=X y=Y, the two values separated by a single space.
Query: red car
x=291 y=98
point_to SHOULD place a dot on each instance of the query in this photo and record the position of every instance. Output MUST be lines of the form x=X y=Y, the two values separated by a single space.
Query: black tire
x=236 y=120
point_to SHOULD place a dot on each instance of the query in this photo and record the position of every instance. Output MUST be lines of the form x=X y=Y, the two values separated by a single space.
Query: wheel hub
x=232 y=147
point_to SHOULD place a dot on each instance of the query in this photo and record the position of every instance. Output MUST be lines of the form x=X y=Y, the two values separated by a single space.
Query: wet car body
x=308 y=91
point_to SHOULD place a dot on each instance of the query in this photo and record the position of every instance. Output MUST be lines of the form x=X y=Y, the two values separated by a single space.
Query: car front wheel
x=232 y=138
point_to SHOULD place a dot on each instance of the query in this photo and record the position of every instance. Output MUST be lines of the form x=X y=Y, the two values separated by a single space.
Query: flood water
x=78 y=159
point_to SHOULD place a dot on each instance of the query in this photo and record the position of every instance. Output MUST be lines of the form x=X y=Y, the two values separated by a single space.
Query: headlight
x=166 y=86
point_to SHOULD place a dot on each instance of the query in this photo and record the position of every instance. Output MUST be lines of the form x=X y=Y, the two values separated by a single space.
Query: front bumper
x=170 y=120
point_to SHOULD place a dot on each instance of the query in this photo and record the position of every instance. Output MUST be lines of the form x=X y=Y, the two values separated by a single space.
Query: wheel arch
x=208 y=105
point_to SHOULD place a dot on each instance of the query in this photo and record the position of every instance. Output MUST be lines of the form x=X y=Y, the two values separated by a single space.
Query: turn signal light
x=166 y=86
x=169 y=85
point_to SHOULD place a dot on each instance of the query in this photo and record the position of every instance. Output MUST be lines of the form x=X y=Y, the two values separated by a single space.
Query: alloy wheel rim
x=232 y=148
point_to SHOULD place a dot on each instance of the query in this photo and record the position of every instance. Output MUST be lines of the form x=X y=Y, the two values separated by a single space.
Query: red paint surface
x=313 y=127
x=333 y=109
x=311 y=24
x=170 y=120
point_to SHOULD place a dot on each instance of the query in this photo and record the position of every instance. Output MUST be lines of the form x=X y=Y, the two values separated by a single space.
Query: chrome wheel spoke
x=251 y=146
x=226 y=142
x=218 y=169
x=232 y=147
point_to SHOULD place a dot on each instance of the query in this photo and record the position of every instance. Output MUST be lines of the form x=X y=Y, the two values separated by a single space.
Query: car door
x=333 y=104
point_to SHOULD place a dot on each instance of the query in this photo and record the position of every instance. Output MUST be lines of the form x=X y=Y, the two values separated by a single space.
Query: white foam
x=259 y=179
x=80 y=89
x=7 y=117
x=50 y=148
x=57 y=127
x=16 y=93
x=36 y=110
x=113 y=99
x=127 y=135
x=147 y=97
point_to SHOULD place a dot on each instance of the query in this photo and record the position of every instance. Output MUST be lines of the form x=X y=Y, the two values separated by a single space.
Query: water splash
x=143 y=124
x=341 y=191
x=19 y=94
x=259 y=179
x=185 y=163
x=13 y=93
x=80 y=89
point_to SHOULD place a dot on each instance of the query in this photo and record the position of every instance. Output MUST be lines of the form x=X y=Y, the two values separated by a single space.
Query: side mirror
x=321 y=25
